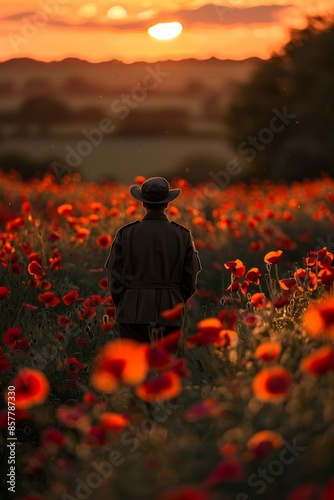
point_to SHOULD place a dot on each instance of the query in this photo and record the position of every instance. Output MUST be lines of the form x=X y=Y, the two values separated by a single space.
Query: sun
x=165 y=31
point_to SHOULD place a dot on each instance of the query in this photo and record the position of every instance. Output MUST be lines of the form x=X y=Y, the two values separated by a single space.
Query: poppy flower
x=273 y=257
x=5 y=366
x=259 y=300
x=163 y=387
x=325 y=258
x=82 y=233
x=49 y=299
x=52 y=438
x=228 y=318
x=272 y=384
x=104 y=241
x=31 y=388
x=319 y=361
x=105 y=327
x=114 y=422
x=174 y=313
x=263 y=442
x=29 y=306
x=236 y=268
x=233 y=288
x=227 y=338
x=120 y=361
x=209 y=325
x=206 y=408
x=65 y=209
x=3 y=292
x=171 y=341
x=92 y=301
x=87 y=313
x=191 y=492
x=70 y=297
x=288 y=284
x=228 y=470
x=319 y=318
x=281 y=301
x=244 y=287
x=95 y=436
x=253 y=320
x=20 y=345
x=253 y=275
x=74 y=417
x=268 y=351
x=103 y=283
x=73 y=365
x=158 y=358
x=64 y=321
x=326 y=276
x=12 y=334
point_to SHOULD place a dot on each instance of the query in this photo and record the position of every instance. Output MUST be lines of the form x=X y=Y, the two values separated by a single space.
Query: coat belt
x=154 y=284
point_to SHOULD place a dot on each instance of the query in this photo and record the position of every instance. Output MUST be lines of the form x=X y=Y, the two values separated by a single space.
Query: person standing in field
x=152 y=265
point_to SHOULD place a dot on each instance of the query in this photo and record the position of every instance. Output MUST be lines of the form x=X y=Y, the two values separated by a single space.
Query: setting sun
x=165 y=31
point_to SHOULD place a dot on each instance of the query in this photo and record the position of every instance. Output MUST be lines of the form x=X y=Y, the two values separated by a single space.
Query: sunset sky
x=101 y=30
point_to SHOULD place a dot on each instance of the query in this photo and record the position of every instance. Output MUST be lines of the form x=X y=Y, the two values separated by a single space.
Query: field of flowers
x=239 y=407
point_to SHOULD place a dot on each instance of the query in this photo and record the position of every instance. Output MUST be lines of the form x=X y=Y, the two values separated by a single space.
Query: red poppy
x=65 y=209
x=20 y=345
x=64 y=321
x=174 y=313
x=104 y=241
x=120 y=361
x=103 y=283
x=29 y=306
x=73 y=365
x=31 y=388
x=281 y=301
x=259 y=300
x=163 y=387
x=229 y=469
x=227 y=338
x=319 y=318
x=228 y=318
x=171 y=341
x=82 y=233
x=92 y=301
x=74 y=417
x=288 y=284
x=158 y=358
x=187 y=492
x=70 y=297
x=105 y=327
x=52 y=438
x=319 y=361
x=5 y=366
x=273 y=257
x=253 y=275
x=114 y=422
x=49 y=299
x=253 y=320
x=268 y=351
x=326 y=276
x=87 y=312
x=207 y=408
x=3 y=292
x=139 y=179
x=233 y=288
x=264 y=442
x=272 y=384
x=12 y=334
x=244 y=287
x=236 y=268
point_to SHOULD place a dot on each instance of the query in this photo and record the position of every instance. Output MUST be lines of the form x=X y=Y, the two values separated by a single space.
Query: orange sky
x=96 y=30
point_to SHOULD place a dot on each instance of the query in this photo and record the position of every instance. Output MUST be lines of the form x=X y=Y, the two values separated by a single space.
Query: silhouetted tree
x=43 y=110
x=297 y=83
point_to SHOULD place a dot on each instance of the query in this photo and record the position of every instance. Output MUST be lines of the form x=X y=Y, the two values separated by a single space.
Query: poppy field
x=239 y=405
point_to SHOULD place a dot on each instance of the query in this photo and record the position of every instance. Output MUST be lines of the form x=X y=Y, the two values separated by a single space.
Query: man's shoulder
x=127 y=225
x=180 y=226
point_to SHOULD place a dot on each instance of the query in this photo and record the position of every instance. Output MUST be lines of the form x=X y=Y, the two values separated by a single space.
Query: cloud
x=209 y=14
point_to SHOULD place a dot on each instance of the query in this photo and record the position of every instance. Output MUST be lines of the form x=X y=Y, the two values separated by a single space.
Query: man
x=152 y=265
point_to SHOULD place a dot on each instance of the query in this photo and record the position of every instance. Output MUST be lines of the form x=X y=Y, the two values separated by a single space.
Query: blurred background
x=84 y=86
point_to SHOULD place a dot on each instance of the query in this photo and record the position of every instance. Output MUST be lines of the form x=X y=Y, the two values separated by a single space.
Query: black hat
x=155 y=190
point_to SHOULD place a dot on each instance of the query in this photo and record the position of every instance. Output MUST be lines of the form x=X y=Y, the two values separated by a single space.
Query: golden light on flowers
x=165 y=31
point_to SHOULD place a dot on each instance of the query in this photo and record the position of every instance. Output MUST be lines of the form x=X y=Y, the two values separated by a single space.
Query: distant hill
x=112 y=76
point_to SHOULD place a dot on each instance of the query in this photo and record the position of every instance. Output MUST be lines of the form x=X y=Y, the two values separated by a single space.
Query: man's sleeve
x=191 y=268
x=114 y=265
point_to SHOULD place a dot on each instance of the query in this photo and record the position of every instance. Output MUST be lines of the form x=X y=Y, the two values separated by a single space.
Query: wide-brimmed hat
x=155 y=190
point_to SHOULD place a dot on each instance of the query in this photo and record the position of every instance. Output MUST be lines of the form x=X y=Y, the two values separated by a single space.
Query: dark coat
x=152 y=266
